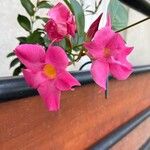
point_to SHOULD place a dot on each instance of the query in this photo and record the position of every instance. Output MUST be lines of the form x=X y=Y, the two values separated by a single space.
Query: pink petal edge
x=56 y=56
x=31 y=55
x=66 y=81
x=100 y=72
x=50 y=95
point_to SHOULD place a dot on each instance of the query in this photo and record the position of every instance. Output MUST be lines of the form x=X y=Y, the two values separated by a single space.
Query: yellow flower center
x=50 y=71
x=107 y=52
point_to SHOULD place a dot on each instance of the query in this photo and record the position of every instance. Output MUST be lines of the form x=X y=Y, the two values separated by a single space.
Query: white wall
x=9 y=30
x=139 y=37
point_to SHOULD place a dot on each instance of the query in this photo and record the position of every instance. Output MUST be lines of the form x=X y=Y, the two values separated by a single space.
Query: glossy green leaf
x=119 y=14
x=22 y=40
x=29 y=7
x=78 y=39
x=10 y=54
x=17 y=71
x=35 y=38
x=44 y=4
x=24 y=22
x=14 y=62
x=79 y=16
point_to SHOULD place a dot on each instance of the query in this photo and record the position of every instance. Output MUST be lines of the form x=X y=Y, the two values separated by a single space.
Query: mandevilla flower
x=108 y=52
x=61 y=23
x=45 y=71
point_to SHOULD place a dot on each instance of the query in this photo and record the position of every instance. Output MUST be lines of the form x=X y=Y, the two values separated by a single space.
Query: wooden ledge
x=84 y=118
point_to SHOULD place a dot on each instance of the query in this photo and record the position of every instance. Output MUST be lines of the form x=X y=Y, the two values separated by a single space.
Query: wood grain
x=84 y=118
x=136 y=138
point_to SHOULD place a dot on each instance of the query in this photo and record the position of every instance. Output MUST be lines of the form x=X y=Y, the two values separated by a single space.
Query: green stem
x=76 y=46
x=32 y=18
x=134 y=24
x=32 y=23
x=69 y=43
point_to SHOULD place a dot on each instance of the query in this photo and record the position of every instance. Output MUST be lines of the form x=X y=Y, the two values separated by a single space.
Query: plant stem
x=76 y=46
x=134 y=24
x=107 y=86
x=32 y=18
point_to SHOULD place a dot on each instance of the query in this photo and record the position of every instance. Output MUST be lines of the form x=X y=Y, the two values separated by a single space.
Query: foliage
x=119 y=15
x=28 y=23
x=73 y=46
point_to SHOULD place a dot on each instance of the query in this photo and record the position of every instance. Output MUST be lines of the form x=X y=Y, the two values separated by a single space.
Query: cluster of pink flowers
x=46 y=70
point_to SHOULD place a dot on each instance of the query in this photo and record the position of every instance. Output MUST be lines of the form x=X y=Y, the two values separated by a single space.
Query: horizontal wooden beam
x=119 y=133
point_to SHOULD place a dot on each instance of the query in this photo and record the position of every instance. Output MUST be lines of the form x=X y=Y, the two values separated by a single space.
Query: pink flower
x=109 y=55
x=45 y=71
x=61 y=23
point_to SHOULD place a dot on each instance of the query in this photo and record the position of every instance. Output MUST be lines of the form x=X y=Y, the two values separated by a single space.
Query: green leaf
x=17 y=71
x=78 y=39
x=44 y=4
x=24 y=22
x=62 y=43
x=29 y=7
x=35 y=38
x=69 y=5
x=10 y=54
x=14 y=62
x=79 y=16
x=119 y=15
x=22 y=40
x=46 y=40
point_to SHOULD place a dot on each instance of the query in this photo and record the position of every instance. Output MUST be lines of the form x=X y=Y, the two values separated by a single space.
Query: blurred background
x=138 y=36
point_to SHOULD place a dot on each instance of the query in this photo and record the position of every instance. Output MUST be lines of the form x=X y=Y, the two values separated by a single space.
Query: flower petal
x=55 y=32
x=62 y=29
x=103 y=36
x=31 y=55
x=94 y=27
x=118 y=47
x=56 y=56
x=120 y=70
x=34 y=79
x=116 y=43
x=100 y=72
x=59 y=13
x=71 y=26
x=128 y=50
x=50 y=95
x=66 y=81
x=94 y=50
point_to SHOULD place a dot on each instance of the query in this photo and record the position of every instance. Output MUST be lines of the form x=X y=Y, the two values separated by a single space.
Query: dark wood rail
x=15 y=87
